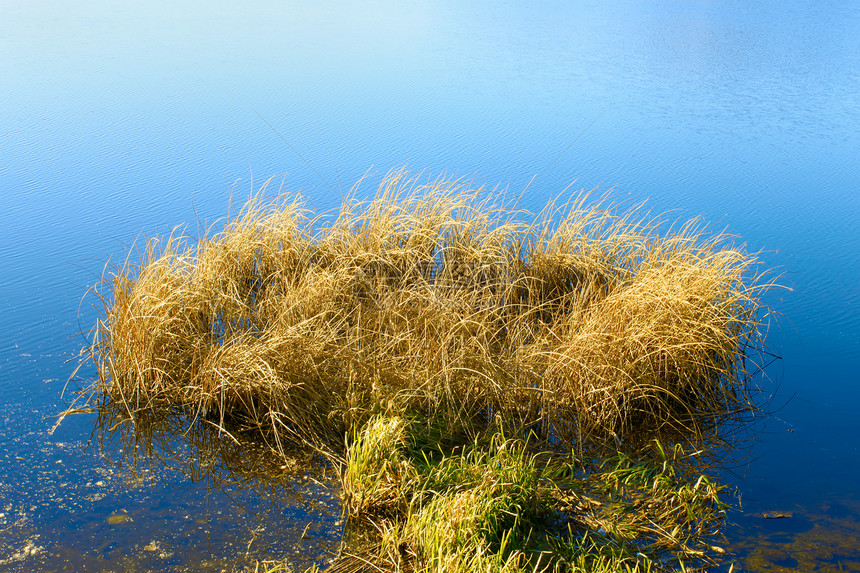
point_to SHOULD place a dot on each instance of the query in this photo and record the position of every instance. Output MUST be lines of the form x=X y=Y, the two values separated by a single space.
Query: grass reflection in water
x=273 y=494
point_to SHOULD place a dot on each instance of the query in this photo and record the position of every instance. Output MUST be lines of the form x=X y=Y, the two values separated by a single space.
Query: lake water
x=119 y=120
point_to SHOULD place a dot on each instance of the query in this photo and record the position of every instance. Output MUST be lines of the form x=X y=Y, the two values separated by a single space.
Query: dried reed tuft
x=584 y=326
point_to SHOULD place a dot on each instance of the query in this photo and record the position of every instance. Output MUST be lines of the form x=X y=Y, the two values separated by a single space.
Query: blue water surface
x=119 y=120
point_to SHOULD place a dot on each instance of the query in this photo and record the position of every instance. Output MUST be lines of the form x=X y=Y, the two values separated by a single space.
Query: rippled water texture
x=119 y=120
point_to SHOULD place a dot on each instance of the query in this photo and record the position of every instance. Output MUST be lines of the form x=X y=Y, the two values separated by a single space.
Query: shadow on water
x=171 y=492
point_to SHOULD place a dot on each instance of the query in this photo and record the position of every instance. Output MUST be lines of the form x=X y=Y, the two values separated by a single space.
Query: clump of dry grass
x=584 y=325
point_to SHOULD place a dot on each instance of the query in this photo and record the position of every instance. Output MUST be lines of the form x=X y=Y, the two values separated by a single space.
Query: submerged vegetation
x=493 y=387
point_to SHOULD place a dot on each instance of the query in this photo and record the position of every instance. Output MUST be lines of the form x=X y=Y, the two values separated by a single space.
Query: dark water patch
x=820 y=540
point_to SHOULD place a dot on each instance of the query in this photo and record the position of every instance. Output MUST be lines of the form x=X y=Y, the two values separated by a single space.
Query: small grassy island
x=497 y=391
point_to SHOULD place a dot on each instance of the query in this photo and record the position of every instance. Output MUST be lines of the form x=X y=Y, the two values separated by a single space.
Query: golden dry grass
x=583 y=324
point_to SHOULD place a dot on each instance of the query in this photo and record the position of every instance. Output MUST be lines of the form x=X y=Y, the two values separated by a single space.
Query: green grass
x=502 y=505
x=431 y=320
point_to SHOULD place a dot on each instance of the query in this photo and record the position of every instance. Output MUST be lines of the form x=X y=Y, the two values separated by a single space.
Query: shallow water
x=120 y=120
